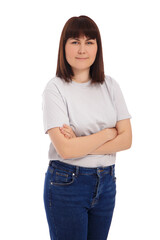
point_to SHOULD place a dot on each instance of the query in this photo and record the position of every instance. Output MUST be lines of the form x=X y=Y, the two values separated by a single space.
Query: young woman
x=86 y=117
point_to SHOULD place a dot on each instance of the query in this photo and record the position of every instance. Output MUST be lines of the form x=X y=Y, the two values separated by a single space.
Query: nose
x=81 y=48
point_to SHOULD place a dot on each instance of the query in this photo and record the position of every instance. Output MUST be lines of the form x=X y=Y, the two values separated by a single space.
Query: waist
x=81 y=170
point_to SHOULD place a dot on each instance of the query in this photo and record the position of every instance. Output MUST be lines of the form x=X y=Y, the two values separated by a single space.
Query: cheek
x=70 y=52
x=93 y=52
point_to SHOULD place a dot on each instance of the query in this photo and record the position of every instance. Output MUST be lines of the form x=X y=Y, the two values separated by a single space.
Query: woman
x=87 y=120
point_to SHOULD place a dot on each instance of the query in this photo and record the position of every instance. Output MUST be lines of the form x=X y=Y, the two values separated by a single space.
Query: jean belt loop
x=50 y=162
x=111 y=170
x=77 y=170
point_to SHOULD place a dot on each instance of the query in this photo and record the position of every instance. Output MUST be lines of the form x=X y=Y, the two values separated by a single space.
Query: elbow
x=65 y=152
x=70 y=150
x=129 y=143
x=128 y=146
x=64 y=156
x=68 y=154
x=62 y=152
x=128 y=139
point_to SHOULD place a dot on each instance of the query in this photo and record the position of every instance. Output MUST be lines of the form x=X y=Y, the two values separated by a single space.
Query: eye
x=74 y=42
x=90 y=43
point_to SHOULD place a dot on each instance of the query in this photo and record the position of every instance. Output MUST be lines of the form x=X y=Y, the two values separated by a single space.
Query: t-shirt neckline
x=81 y=84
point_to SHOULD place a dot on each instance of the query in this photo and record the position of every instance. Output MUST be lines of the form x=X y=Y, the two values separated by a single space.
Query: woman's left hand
x=67 y=131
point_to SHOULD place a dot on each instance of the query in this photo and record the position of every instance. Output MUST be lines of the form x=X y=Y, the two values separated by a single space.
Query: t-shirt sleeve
x=121 y=107
x=54 y=108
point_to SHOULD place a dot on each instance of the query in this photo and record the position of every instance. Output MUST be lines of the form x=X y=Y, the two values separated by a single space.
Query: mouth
x=81 y=58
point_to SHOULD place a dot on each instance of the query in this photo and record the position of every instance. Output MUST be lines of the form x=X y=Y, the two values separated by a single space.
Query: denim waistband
x=82 y=170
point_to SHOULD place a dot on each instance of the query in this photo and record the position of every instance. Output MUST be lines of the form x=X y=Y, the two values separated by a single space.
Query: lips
x=81 y=58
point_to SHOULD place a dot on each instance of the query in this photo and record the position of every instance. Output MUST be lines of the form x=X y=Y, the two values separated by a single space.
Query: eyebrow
x=86 y=39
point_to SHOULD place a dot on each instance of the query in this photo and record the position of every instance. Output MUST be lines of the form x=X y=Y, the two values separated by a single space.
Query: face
x=80 y=52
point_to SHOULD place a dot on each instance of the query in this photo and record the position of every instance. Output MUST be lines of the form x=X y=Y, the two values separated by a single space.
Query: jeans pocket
x=62 y=177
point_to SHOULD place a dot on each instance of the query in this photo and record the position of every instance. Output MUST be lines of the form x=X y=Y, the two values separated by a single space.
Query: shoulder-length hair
x=74 y=28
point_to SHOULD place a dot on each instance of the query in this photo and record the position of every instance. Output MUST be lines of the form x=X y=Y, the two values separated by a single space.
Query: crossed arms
x=96 y=143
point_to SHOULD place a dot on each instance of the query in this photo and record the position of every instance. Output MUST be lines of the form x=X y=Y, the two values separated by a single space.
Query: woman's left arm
x=121 y=142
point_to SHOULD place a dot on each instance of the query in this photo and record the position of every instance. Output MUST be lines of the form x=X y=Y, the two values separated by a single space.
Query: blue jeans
x=79 y=201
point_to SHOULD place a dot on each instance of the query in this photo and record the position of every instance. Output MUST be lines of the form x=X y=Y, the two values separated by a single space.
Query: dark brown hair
x=73 y=28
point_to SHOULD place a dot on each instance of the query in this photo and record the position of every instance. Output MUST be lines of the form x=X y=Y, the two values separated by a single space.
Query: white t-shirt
x=87 y=109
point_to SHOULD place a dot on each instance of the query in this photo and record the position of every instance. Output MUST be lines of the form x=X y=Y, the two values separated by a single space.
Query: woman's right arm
x=79 y=146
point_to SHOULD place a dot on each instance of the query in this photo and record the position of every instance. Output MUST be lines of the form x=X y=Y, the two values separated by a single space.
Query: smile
x=81 y=58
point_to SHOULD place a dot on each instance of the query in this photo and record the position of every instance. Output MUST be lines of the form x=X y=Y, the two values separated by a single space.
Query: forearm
x=81 y=146
x=119 y=143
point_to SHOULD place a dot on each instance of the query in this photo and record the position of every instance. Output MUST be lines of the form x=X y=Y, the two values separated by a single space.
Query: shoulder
x=54 y=84
x=110 y=80
x=111 y=83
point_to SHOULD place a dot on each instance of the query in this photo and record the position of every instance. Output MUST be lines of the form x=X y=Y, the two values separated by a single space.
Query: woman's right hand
x=67 y=131
x=111 y=133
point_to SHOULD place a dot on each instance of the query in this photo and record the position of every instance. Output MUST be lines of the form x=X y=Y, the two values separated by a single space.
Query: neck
x=81 y=76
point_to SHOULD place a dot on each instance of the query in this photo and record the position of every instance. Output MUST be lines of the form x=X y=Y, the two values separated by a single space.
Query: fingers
x=67 y=135
x=65 y=130
x=65 y=125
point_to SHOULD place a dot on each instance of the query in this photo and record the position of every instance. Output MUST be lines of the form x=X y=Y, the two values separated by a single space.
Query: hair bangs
x=81 y=27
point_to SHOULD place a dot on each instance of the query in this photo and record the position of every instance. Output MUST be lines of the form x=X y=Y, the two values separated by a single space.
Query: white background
x=30 y=34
